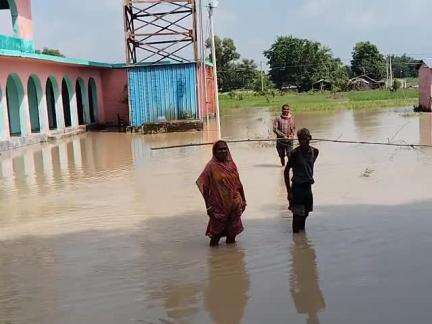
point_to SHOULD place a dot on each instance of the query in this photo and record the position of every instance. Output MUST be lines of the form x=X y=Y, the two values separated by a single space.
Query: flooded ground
x=99 y=229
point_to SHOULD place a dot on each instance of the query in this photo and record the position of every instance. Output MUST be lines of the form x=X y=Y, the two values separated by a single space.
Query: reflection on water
x=53 y=166
x=98 y=228
x=226 y=294
x=426 y=129
x=181 y=301
x=304 y=279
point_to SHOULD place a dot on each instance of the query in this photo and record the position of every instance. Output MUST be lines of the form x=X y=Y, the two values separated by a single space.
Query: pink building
x=425 y=85
x=44 y=95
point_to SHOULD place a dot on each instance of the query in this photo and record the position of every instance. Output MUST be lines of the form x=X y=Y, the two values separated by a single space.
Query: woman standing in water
x=223 y=194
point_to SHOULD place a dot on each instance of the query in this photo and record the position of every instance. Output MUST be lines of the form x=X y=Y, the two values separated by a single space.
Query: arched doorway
x=66 y=97
x=14 y=98
x=34 y=97
x=80 y=101
x=93 y=101
x=52 y=98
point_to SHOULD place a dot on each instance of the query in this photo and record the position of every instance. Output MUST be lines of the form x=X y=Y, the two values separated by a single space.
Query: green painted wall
x=14 y=100
x=33 y=106
x=93 y=100
x=52 y=115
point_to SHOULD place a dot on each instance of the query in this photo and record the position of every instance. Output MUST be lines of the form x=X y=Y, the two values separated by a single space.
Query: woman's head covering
x=214 y=165
x=215 y=145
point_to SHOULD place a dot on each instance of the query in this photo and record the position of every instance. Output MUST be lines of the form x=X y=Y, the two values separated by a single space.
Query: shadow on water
x=226 y=294
x=304 y=279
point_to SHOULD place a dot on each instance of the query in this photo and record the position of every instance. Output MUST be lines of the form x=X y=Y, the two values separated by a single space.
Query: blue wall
x=162 y=91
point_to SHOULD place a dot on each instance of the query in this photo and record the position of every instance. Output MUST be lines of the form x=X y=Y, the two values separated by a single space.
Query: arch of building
x=34 y=97
x=82 y=102
x=93 y=100
x=15 y=106
x=67 y=96
x=52 y=96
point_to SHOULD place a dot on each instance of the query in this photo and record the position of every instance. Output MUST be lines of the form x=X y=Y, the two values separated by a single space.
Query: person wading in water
x=284 y=128
x=301 y=161
x=223 y=194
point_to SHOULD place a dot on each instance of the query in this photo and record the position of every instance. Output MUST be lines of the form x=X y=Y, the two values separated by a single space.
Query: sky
x=93 y=29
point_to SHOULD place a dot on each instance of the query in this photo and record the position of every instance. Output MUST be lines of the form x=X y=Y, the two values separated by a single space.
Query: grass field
x=325 y=101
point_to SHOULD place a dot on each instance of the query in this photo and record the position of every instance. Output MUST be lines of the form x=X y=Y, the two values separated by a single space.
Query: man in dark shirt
x=301 y=161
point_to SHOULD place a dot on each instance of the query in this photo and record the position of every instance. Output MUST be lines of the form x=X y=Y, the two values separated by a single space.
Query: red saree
x=221 y=188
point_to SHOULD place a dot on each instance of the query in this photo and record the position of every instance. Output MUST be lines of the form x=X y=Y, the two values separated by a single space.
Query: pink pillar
x=24 y=21
x=4 y=118
x=425 y=88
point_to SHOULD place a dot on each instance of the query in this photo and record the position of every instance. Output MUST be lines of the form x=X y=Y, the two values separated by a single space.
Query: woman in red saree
x=223 y=194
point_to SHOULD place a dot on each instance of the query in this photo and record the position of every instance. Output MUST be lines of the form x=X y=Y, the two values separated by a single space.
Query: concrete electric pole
x=213 y=4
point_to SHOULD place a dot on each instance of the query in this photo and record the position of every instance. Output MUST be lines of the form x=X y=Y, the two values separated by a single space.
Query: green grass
x=325 y=101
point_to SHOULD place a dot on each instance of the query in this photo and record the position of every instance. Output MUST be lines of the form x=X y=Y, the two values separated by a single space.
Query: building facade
x=44 y=95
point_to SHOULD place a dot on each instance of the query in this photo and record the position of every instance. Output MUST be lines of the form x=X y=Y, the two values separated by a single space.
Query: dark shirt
x=302 y=163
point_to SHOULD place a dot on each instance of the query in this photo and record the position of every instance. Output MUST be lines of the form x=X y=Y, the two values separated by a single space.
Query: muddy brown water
x=99 y=229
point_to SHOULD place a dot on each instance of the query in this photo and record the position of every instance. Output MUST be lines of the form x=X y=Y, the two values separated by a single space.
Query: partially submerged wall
x=115 y=95
x=425 y=88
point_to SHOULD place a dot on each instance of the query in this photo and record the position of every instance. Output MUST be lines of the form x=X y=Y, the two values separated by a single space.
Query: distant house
x=289 y=87
x=322 y=85
x=364 y=82
x=425 y=84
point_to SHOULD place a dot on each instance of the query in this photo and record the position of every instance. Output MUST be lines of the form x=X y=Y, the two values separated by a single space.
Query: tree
x=239 y=75
x=50 y=51
x=301 y=62
x=404 y=66
x=367 y=60
x=258 y=83
x=226 y=55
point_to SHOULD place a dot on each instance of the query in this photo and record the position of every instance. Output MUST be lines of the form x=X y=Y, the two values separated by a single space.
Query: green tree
x=404 y=66
x=226 y=56
x=338 y=75
x=301 y=62
x=367 y=60
x=396 y=85
x=268 y=84
x=239 y=75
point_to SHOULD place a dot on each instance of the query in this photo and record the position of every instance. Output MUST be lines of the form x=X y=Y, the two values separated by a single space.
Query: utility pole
x=391 y=72
x=262 y=78
x=387 y=72
x=213 y=4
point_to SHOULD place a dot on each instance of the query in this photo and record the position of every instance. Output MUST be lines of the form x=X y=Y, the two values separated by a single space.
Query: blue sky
x=94 y=28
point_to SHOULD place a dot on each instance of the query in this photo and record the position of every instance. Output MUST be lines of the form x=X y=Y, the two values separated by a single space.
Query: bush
x=396 y=85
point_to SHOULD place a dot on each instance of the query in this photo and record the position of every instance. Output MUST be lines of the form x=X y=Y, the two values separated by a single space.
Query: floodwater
x=99 y=229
